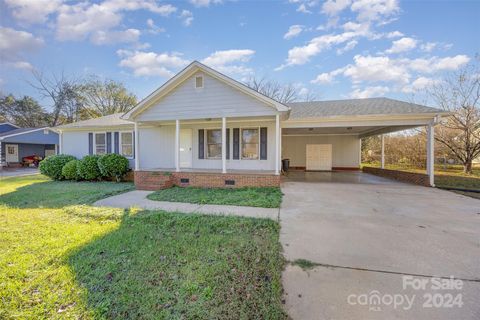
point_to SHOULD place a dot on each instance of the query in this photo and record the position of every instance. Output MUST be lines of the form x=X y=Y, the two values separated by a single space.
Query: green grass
x=61 y=257
x=267 y=197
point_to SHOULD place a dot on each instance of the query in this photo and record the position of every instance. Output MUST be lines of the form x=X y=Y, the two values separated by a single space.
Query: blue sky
x=332 y=49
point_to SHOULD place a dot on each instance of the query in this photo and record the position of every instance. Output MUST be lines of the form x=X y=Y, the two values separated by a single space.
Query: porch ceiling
x=362 y=131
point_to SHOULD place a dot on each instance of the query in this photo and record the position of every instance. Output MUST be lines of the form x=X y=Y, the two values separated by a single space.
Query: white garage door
x=319 y=157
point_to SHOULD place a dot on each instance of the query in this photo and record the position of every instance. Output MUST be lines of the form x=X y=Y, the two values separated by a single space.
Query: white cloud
x=420 y=83
x=323 y=78
x=428 y=47
x=303 y=9
x=374 y=10
x=153 y=28
x=151 y=63
x=230 y=61
x=15 y=44
x=369 y=92
x=349 y=46
x=109 y=37
x=293 y=31
x=402 y=45
x=394 y=34
x=204 y=3
x=333 y=7
x=187 y=17
x=32 y=11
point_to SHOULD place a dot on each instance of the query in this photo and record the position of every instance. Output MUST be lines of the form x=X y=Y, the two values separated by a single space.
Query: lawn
x=61 y=257
x=266 y=197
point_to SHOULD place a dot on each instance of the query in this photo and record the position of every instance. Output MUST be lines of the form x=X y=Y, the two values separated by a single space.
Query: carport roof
x=17 y=131
x=356 y=107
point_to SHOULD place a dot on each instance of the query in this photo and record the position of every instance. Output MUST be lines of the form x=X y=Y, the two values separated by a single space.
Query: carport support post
x=431 y=154
x=224 y=145
x=278 y=143
x=177 y=145
x=137 y=161
x=383 y=151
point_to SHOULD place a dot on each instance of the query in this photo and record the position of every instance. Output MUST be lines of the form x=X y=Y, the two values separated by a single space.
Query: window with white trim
x=100 y=143
x=199 y=82
x=214 y=143
x=250 y=144
x=126 y=144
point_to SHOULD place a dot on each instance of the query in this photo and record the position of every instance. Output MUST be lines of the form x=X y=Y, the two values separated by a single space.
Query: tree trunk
x=467 y=167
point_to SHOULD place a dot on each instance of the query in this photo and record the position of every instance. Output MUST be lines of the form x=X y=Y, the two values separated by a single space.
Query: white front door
x=11 y=152
x=186 y=148
x=319 y=157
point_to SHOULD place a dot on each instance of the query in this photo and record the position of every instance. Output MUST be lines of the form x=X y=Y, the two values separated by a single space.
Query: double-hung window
x=126 y=144
x=100 y=143
x=250 y=144
x=214 y=144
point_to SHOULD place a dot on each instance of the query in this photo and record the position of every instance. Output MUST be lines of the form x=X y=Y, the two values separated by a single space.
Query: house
x=17 y=143
x=202 y=128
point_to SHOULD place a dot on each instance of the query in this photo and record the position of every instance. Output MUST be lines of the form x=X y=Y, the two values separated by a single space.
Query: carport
x=326 y=135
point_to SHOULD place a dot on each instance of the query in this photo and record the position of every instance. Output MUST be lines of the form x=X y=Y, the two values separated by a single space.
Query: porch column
x=278 y=147
x=431 y=154
x=136 y=144
x=383 y=151
x=56 y=148
x=224 y=145
x=60 y=142
x=1 y=161
x=177 y=145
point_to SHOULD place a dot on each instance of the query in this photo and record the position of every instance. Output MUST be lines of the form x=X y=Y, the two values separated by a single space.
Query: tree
x=106 y=97
x=459 y=93
x=24 y=112
x=64 y=94
x=277 y=91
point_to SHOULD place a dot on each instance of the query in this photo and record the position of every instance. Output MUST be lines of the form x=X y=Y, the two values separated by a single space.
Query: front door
x=186 y=148
x=11 y=152
x=319 y=157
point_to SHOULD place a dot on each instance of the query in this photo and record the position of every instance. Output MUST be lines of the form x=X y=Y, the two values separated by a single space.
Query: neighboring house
x=210 y=130
x=17 y=143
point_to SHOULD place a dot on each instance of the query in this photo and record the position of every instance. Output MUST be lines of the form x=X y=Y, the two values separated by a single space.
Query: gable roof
x=8 y=123
x=188 y=71
x=21 y=131
x=357 y=107
x=112 y=120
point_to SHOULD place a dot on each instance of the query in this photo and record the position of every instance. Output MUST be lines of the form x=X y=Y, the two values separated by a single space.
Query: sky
x=329 y=49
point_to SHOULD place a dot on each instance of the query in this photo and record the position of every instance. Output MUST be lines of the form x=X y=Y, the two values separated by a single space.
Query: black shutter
x=228 y=143
x=109 y=142
x=201 y=144
x=90 y=143
x=116 y=143
x=263 y=143
x=236 y=143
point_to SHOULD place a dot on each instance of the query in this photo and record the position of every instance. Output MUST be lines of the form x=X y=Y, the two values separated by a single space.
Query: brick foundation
x=156 y=180
x=409 y=177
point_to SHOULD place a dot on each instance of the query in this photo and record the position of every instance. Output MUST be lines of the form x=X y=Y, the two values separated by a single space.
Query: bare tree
x=459 y=93
x=63 y=93
x=277 y=91
x=106 y=97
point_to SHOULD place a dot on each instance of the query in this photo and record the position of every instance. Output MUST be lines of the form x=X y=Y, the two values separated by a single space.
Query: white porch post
x=224 y=145
x=60 y=142
x=383 y=152
x=177 y=145
x=431 y=154
x=277 y=144
x=1 y=161
x=137 y=160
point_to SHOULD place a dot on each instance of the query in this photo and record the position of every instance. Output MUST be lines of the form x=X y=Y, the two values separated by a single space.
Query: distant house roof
x=112 y=120
x=356 y=107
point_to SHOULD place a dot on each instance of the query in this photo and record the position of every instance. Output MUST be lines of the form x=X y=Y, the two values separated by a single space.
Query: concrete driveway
x=17 y=172
x=367 y=235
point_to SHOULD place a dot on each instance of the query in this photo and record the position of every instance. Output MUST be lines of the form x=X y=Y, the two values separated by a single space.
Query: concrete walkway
x=138 y=199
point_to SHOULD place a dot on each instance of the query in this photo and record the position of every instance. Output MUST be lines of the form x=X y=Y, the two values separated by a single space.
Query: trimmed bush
x=88 y=168
x=52 y=166
x=113 y=165
x=70 y=170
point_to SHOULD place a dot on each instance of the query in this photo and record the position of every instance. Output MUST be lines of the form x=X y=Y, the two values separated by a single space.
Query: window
x=250 y=144
x=100 y=143
x=126 y=144
x=11 y=150
x=214 y=144
x=199 y=82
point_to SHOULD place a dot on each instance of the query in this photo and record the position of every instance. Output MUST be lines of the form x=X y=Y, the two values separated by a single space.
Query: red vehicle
x=29 y=160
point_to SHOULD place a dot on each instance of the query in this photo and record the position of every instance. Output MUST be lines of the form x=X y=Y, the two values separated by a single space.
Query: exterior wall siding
x=345 y=149
x=156 y=180
x=215 y=100
x=37 y=137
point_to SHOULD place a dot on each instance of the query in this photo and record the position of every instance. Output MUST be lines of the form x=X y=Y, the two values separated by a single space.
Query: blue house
x=17 y=143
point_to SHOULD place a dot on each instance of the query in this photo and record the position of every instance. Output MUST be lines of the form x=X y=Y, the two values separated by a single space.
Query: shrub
x=88 y=168
x=113 y=165
x=70 y=170
x=52 y=166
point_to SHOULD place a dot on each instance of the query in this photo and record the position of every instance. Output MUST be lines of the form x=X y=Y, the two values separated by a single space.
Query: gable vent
x=199 y=82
